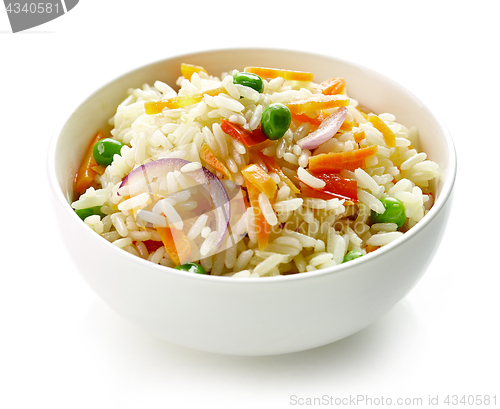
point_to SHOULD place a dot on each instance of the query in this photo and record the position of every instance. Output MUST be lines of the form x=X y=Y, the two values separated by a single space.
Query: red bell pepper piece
x=245 y=136
x=336 y=187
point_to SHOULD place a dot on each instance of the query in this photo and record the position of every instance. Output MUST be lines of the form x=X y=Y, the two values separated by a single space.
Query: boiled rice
x=309 y=233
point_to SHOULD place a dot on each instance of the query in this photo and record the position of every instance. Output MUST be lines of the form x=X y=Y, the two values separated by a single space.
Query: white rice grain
x=300 y=262
x=205 y=232
x=281 y=148
x=165 y=206
x=385 y=227
x=228 y=84
x=256 y=117
x=207 y=246
x=242 y=274
x=307 y=242
x=190 y=167
x=310 y=180
x=408 y=163
x=228 y=103
x=314 y=203
x=404 y=185
x=239 y=147
x=381 y=239
x=157 y=255
x=220 y=138
x=371 y=201
x=291 y=158
x=289 y=241
x=243 y=259
x=140 y=235
x=267 y=210
x=268 y=264
x=123 y=242
x=118 y=220
x=365 y=181
x=283 y=194
x=150 y=217
x=247 y=92
x=288 y=205
x=320 y=259
x=336 y=245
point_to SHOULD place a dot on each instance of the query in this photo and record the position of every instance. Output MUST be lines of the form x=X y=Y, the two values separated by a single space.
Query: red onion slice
x=206 y=180
x=327 y=130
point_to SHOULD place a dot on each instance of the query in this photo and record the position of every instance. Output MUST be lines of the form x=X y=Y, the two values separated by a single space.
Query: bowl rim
x=340 y=269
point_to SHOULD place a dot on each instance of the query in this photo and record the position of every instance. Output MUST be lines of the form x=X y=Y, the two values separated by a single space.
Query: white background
x=61 y=347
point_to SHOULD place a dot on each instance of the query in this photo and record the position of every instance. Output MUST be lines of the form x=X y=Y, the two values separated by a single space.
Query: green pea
x=89 y=211
x=275 y=121
x=249 y=80
x=191 y=268
x=394 y=212
x=353 y=254
x=105 y=149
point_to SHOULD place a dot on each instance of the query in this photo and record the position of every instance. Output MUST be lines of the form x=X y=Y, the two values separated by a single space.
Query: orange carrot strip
x=86 y=173
x=290 y=75
x=336 y=161
x=332 y=86
x=317 y=120
x=389 y=137
x=156 y=107
x=273 y=165
x=208 y=156
x=317 y=103
x=306 y=118
x=262 y=227
x=346 y=126
x=176 y=244
x=359 y=135
x=260 y=179
x=188 y=70
x=369 y=248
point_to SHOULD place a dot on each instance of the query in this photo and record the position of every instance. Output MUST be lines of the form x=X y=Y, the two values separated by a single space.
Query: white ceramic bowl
x=252 y=316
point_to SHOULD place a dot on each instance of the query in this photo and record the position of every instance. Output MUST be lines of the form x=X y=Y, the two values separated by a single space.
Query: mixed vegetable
x=327 y=116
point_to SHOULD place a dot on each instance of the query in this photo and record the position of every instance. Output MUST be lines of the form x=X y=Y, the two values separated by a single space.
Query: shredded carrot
x=262 y=227
x=346 y=126
x=176 y=244
x=156 y=107
x=255 y=175
x=273 y=165
x=332 y=86
x=88 y=170
x=359 y=135
x=369 y=248
x=317 y=103
x=290 y=75
x=336 y=161
x=208 y=156
x=389 y=137
x=188 y=70
x=316 y=121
